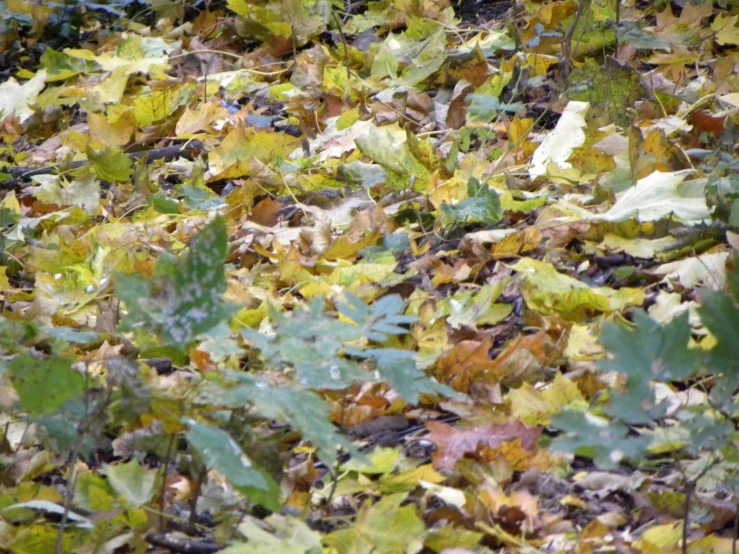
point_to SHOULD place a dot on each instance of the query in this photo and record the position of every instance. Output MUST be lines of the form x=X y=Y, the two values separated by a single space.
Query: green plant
x=634 y=424
x=182 y=305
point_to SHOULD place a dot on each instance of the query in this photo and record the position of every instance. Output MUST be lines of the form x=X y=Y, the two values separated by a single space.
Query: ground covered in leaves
x=398 y=276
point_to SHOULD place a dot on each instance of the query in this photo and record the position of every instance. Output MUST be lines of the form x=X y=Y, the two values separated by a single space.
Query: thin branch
x=20 y=174
x=345 y=43
x=163 y=488
x=72 y=474
x=565 y=62
x=180 y=546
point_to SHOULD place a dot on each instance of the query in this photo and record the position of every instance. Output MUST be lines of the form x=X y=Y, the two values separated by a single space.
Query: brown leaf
x=465 y=363
x=454 y=444
x=522 y=359
x=265 y=213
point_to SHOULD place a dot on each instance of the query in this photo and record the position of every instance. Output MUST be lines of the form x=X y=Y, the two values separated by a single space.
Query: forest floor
x=405 y=276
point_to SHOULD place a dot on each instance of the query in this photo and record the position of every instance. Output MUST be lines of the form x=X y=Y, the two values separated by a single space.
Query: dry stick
x=19 y=174
x=198 y=489
x=564 y=67
x=180 y=546
x=618 y=23
x=686 y=516
x=334 y=471
x=72 y=474
x=346 y=45
x=163 y=488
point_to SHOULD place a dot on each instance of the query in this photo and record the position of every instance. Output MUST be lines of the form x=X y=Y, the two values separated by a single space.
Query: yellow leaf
x=240 y=146
x=11 y=203
x=726 y=30
x=534 y=407
x=199 y=118
x=112 y=89
x=548 y=291
x=382 y=461
x=662 y=537
x=409 y=480
x=106 y=132
x=4 y=283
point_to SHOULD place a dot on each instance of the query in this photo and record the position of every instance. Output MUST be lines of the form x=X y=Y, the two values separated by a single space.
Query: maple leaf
x=384 y=527
x=16 y=99
x=393 y=189
x=454 y=444
x=183 y=299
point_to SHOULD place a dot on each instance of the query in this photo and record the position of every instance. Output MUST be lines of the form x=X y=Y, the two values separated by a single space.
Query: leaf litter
x=299 y=276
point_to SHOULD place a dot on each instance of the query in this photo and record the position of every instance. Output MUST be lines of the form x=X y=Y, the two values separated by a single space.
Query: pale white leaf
x=16 y=99
x=660 y=195
x=708 y=270
x=558 y=145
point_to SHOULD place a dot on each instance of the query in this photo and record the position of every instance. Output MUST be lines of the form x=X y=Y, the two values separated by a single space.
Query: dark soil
x=474 y=12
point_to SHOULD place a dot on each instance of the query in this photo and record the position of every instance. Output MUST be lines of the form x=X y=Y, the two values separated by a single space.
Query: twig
x=196 y=495
x=174 y=544
x=686 y=515
x=564 y=66
x=163 y=488
x=72 y=474
x=618 y=23
x=345 y=43
x=20 y=174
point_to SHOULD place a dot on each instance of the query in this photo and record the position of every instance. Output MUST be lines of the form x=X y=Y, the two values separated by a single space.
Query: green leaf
x=630 y=33
x=398 y=369
x=62 y=426
x=316 y=346
x=607 y=443
x=393 y=154
x=184 y=298
x=131 y=481
x=164 y=205
x=7 y=216
x=651 y=352
x=69 y=334
x=385 y=65
x=481 y=206
x=111 y=164
x=483 y=108
x=302 y=409
x=44 y=385
x=382 y=528
x=221 y=452
x=721 y=316
x=312 y=343
x=200 y=198
x=364 y=174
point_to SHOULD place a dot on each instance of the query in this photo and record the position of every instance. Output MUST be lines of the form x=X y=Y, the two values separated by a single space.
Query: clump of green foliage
x=180 y=307
x=612 y=89
x=638 y=423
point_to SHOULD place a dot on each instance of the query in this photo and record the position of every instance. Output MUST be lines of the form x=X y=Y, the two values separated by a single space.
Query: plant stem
x=69 y=492
x=686 y=516
x=618 y=22
x=72 y=474
x=194 y=500
x=163 y=488
x=565 y=62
